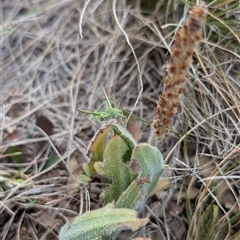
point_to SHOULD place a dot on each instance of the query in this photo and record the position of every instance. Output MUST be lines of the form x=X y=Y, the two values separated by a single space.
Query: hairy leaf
x=102 y=222
x=150 y=170
x=115 y=169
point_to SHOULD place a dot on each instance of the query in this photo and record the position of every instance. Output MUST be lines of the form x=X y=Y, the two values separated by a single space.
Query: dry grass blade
x=47 y=69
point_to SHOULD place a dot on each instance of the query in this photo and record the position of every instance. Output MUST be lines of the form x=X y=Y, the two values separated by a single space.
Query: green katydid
x=111 y=111
x=106 y=114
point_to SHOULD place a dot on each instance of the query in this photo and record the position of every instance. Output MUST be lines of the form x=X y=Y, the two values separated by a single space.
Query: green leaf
x=129 y=139
x=102 y=222
x=131 y=197
x=150 y=169
x=86 y=169
x=16 y=152
x=84 y=179
x=152 y=165
x=50 y=162
x=115 y=169
x=97 y=146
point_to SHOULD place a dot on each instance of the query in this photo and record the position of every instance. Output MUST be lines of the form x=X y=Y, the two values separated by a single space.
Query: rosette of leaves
x=133 y=171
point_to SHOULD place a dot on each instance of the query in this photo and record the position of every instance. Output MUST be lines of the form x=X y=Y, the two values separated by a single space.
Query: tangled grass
x=48 y=71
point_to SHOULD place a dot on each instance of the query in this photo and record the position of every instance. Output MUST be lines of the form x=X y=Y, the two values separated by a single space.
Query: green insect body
x=106 y=114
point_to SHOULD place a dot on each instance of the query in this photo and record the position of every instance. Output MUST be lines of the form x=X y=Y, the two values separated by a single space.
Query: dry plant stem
x=181 y=57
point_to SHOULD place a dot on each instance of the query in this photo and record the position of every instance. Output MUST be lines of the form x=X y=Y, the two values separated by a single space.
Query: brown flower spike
x=182 y=50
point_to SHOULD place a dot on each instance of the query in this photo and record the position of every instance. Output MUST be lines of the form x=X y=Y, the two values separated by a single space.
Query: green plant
x=102 y=222
x=134 y=170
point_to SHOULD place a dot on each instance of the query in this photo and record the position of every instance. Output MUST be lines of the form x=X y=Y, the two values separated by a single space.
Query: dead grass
x=48 y=71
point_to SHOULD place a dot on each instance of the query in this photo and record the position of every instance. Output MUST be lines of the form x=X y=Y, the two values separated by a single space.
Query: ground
x=57 y=56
